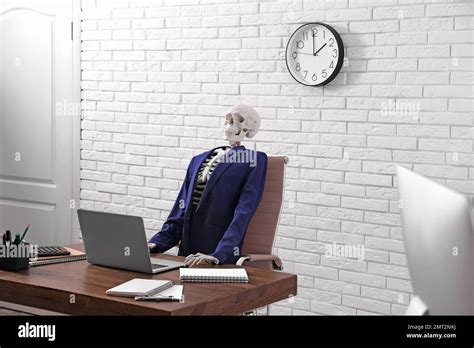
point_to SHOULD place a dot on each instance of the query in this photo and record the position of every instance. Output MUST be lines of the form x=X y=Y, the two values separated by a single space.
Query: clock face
x=314 y=54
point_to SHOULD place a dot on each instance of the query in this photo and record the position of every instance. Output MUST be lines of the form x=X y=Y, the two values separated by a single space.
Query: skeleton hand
x=197 y=259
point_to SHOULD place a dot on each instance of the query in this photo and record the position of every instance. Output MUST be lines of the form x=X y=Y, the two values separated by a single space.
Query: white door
x=38 y=113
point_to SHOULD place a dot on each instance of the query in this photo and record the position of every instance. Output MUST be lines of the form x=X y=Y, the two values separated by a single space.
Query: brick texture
x=159 y=75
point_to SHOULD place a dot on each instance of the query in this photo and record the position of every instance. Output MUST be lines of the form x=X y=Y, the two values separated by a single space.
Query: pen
x=154 y=298
x=17 y=239
x=24 y=233
x=8 y=237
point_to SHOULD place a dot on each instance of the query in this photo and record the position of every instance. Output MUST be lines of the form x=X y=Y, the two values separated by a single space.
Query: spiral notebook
x=213 y=275
x=75 y=255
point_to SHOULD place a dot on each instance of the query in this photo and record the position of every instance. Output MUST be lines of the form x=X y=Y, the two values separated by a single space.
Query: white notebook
x=213 y=275
x=140 y=287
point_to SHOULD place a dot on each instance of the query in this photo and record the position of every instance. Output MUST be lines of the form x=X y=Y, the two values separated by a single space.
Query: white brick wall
x=158 y=76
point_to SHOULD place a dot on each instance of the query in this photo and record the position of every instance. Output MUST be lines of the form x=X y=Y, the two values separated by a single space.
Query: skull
x=240 y=122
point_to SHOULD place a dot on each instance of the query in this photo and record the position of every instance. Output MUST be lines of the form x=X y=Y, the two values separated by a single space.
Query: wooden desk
x=79 y=288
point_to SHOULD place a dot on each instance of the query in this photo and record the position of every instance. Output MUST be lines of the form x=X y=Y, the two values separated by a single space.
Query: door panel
x=36 y=74
x=40 y=215
x=27 y=95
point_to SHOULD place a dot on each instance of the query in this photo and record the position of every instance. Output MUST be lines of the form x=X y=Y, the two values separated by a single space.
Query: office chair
x=258 y=242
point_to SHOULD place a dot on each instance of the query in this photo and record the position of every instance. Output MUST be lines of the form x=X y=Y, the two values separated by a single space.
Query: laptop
x=119 y=241
x=439 y=245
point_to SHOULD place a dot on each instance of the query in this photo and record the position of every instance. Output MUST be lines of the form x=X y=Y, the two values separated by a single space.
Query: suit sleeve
x=228 y=249
x=171 y=231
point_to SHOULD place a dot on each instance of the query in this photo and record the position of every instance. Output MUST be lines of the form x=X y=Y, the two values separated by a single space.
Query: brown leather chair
x=258 y=242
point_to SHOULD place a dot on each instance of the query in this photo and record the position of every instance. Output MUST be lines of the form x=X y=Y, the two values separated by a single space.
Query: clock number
x=300 y=44
x=298 y=67
x=324 y=34
x=305 y=73
x=334 y=53
x=324 y=73
x=294 y=55
x=332 y=64
x=331 y=42
x=315 y=32
x=315 y=77
x=305 y=35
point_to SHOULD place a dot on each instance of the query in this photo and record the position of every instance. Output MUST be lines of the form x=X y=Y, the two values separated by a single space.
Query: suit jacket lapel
x=189 y=196
x=220 y=168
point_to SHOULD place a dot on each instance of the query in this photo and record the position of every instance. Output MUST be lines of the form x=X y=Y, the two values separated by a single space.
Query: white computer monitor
x=439 y=244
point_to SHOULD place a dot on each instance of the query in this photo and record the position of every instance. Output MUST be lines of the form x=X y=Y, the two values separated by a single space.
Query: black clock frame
x=340 y=46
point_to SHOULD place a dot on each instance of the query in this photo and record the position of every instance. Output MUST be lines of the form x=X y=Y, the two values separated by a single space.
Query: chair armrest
x=276 y=261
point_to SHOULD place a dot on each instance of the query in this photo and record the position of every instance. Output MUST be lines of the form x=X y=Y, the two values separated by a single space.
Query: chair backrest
x=262 y=228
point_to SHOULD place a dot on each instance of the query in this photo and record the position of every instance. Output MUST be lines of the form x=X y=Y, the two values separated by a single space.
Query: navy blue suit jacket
x=218 y=225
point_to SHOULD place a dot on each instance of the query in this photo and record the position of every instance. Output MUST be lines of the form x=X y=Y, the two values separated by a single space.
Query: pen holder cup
x=13 y=263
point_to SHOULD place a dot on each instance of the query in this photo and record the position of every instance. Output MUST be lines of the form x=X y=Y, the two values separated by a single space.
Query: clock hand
x=320 y=49
x=308 y=54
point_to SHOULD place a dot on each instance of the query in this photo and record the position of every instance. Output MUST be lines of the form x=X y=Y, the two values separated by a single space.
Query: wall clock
x=314 y=54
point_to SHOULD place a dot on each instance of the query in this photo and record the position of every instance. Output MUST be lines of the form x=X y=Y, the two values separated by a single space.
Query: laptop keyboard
x=157 y=265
